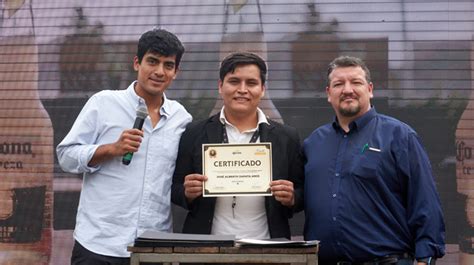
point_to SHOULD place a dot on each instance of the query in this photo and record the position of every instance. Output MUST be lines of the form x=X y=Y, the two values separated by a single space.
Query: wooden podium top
x=237 y=254
x=228 y=250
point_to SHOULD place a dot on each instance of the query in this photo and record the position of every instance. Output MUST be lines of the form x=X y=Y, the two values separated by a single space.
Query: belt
x=386 y=260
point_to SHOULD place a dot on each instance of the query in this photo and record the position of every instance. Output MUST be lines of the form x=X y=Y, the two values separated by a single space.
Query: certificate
x=237 y=169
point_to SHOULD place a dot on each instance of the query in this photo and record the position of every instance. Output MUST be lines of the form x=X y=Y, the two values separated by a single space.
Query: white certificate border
x=205 y=193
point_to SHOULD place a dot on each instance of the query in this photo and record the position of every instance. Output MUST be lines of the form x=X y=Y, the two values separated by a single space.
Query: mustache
x=342 y=98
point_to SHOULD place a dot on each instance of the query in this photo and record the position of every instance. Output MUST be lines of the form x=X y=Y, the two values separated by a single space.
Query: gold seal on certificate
x=237 y=169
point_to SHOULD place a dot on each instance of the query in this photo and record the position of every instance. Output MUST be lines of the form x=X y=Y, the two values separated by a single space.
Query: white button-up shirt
x=118 y=202
x=248 y=218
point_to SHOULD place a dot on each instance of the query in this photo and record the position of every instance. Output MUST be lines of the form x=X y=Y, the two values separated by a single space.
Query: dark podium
x=248 y=254
x=180 y=248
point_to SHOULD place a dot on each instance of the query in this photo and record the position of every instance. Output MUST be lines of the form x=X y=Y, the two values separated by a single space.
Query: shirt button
x=334 y=195
x=334 y=218
x=345 y=135
x=337 y=174
x=338 y=243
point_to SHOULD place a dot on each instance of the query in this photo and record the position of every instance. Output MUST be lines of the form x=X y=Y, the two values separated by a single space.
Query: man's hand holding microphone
x=128 y=142
x=131 y=139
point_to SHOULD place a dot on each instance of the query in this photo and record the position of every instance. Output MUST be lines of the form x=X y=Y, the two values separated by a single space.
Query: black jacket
x=287 y=164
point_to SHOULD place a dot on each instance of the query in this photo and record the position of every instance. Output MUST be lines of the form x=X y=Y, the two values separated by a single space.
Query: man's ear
x=219 y=86
x=327 y=94
x=371 y=90
x=176 y=70
x=136 y=64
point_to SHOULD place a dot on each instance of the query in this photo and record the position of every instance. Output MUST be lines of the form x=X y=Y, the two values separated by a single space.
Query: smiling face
x=241 y=91
x=349 y=92
x=155 y=74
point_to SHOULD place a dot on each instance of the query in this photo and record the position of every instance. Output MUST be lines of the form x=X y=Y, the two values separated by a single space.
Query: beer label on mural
x=25 y=154
x=464 y=158
x=11 y=155
x=465 y=166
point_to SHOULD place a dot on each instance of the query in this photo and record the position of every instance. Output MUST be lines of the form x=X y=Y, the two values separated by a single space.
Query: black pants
x=82 y=256
x=403 y=261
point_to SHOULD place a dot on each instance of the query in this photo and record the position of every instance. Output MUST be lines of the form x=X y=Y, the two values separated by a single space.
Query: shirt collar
x=165 y=108
x=133 y=94
x=260 y=115
x=359 y=122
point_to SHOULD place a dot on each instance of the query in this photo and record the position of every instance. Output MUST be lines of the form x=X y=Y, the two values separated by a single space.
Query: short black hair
x=162 y=42
x=348 y=61
x=233 y=60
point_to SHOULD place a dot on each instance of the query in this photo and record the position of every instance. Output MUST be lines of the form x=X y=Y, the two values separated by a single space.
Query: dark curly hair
x=162 y=42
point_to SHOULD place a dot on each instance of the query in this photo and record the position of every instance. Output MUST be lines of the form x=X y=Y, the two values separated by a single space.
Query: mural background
x=56 y=53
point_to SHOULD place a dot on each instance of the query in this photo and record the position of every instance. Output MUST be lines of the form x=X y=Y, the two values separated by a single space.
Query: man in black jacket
x=241 y=86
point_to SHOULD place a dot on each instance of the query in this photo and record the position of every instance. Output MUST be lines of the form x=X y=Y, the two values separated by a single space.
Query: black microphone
x=142 y=112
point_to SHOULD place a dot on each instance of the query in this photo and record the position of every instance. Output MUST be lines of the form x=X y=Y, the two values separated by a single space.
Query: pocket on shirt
x=170 y=145
x=367 y=165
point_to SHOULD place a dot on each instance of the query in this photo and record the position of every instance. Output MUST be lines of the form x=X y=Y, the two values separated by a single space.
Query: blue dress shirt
x=370 y=192
x=119 y=202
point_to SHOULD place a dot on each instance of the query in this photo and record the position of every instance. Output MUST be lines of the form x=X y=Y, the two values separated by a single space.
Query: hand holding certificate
x=237 y=169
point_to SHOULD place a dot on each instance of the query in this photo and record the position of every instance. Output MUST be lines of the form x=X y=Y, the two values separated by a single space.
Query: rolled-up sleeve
x=77 y=148
x=424 y=212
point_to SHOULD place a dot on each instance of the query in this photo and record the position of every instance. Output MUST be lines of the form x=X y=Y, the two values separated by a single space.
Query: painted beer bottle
x=26 y=145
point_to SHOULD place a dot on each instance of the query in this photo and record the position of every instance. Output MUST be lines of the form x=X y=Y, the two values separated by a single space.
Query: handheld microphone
x=142 y=112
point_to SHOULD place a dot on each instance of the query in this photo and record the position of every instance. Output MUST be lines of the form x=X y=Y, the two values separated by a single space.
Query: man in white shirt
x=119 y=201
x=241 y=86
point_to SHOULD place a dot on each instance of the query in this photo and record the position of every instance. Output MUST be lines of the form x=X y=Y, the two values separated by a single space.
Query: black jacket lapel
x=265 y=132
x=214 y=129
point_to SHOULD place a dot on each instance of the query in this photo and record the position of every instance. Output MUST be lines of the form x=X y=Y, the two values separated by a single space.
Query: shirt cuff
x=429 y=249
x=86 y=155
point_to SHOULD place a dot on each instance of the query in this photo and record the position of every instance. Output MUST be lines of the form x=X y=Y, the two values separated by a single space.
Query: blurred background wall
x=54 y=54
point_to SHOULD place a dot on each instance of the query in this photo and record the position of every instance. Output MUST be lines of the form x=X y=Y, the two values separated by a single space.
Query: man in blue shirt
x=370 y=195
x=120 y=201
